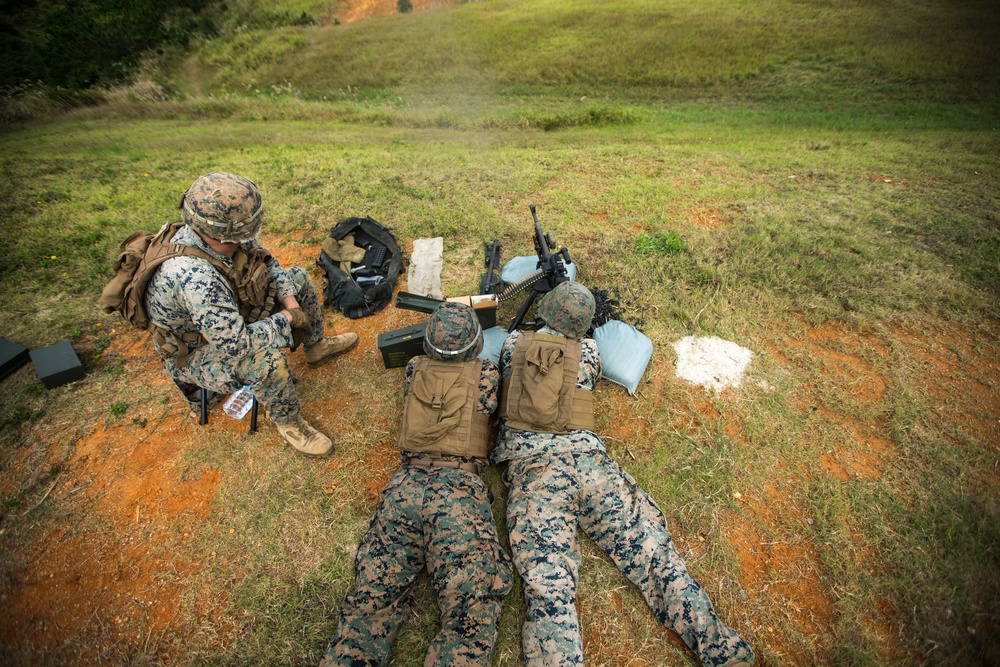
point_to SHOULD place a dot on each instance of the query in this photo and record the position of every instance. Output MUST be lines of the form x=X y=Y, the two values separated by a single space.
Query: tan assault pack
x=439 y=416
x=541 y=393
x=141 y=255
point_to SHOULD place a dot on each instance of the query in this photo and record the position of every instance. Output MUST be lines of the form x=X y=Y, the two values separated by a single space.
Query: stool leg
x=203 y=404
x=253 y=416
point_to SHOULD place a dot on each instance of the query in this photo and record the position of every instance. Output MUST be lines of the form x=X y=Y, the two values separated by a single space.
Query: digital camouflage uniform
x=434 y=516
x=187 y=294
x=560 y=482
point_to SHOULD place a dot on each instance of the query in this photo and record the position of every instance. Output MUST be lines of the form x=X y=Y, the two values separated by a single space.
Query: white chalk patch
x=711 y=362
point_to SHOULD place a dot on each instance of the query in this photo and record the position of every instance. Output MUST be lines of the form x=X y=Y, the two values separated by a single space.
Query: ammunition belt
x=265 y=310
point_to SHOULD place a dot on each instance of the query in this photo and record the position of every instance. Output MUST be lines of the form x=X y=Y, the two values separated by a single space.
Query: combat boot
x=319 y=353
x=303 y=437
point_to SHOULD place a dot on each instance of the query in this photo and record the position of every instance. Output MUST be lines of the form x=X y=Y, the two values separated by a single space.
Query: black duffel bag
x=367 y=287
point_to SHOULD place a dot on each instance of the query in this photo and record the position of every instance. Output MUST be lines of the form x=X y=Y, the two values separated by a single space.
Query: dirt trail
x=362 y=9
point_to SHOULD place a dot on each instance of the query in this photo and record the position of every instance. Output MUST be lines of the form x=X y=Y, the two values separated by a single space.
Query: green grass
x=812 y=231
x=806 y=52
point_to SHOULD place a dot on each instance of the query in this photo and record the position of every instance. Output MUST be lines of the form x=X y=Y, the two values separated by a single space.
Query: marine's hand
x=301 y=326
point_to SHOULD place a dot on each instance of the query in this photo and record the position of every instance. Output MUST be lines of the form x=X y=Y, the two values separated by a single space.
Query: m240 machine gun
x=399 y=346
x=549 y=272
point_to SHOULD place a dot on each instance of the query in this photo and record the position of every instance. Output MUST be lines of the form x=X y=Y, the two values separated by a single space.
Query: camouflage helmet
x=568 y=308
x=223 y=206
x=453 y=333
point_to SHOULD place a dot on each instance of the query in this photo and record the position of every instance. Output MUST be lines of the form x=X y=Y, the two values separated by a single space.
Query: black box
x=12 y=357
x=401 y=345
x=485 y=307
x=57 y=364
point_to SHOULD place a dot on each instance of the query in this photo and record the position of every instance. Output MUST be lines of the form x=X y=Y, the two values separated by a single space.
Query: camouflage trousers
x=550 y=495
x=266 y=371
x=438 y=518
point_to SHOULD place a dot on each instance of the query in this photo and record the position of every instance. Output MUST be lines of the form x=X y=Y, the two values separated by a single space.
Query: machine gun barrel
x=550 y=272
x=541 y=244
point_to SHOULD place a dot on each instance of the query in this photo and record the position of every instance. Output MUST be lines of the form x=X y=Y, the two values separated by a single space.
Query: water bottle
x=238 y=405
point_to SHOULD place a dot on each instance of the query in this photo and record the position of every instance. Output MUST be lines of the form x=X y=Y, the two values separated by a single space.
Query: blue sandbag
x=519 y=267
x=492 y=342
x=625 y=353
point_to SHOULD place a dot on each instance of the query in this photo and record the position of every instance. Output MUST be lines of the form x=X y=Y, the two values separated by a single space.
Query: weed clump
x=660 y=244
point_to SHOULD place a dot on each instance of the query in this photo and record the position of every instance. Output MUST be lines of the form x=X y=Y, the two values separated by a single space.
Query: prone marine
x=434 y=512
x=560 y=477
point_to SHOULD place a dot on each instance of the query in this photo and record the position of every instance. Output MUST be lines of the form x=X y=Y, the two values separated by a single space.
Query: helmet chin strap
x=454 y=353
x=215 y=224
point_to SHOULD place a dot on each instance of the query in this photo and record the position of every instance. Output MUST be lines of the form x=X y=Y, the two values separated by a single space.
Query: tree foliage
x=79 y=43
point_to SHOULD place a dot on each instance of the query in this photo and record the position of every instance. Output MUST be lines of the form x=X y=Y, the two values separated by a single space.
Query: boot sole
x=317 y=364
x=314 y=456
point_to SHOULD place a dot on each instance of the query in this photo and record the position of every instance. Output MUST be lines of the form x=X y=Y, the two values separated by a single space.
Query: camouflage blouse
x=513 y=443
x=188 y=295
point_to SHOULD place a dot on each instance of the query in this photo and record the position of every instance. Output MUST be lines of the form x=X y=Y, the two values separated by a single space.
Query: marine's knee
x=299 y=278
x=269 y=365
x=550 y=578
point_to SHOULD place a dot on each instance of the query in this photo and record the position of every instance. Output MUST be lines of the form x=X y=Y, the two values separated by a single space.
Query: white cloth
x=424 y=277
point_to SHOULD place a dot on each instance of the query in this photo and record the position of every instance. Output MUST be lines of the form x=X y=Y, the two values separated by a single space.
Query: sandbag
x=625 y=353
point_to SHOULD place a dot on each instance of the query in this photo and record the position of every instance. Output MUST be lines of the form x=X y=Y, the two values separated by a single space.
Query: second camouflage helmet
x=568 y=308
x=223 y=206
x=453 y=333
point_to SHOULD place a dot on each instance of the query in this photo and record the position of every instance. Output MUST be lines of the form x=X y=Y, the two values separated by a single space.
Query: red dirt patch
x=852 y=371
x=707 y=218
x=783 y=576
x=961 y=376
x=625 y=424
x=128 y=580
x=366 y=9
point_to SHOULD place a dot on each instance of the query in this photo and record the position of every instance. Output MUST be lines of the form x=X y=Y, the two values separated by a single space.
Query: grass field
x=816 y=182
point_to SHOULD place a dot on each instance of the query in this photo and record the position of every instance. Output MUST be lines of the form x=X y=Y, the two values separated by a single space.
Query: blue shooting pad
x=493 y=339
x=625 y=353
x=519 y=267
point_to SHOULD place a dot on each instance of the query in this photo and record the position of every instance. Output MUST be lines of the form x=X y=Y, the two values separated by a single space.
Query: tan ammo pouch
x=541 y=393
x=171 y=343
x=250 y=279
x=439 y=415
